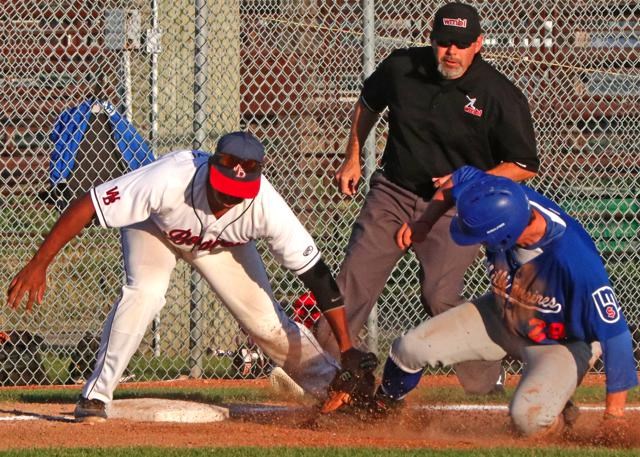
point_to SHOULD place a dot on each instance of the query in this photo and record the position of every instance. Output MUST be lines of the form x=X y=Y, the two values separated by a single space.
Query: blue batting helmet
x=493 y=211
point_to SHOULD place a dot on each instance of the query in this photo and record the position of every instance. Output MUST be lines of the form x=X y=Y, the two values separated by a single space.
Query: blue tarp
x=70 y=128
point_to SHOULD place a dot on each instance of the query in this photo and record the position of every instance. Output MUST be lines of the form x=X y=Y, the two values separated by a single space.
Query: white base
x=162 y=410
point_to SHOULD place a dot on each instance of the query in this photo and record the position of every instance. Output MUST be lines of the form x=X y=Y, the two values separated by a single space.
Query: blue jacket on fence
x=70 y=129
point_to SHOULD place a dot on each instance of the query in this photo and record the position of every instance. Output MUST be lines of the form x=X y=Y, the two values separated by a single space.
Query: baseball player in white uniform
x=207 y=210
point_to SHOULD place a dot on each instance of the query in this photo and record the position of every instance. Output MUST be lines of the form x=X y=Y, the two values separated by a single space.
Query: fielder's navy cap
x=457 y=22
x=236 y=167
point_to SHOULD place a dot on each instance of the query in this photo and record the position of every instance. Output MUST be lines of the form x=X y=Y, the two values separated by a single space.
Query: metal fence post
x=199 y=119
x=154 y=48
x=122 y=33
x=368 y=66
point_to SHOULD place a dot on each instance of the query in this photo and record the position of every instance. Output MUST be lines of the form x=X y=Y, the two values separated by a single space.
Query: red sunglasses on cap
x=230 y=161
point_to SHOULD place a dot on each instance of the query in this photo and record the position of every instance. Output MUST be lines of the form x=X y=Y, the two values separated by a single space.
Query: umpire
x=447 y=108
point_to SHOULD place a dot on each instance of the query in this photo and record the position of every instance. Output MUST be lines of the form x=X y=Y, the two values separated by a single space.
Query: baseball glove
x=354 y=384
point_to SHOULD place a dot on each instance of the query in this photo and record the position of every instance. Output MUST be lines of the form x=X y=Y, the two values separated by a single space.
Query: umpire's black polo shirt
x=437 y=126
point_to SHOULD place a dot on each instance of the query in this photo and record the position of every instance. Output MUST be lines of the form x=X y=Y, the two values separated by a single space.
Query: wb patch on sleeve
x=606 y=304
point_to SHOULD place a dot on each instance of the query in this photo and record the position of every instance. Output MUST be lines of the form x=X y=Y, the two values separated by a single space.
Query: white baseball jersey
x=171 y=192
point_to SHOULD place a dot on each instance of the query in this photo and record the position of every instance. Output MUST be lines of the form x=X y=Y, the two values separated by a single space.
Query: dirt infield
x=29 y=425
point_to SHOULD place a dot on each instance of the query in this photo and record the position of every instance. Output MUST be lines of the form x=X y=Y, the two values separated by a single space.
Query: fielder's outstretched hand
x=30 y=281
x=354 y=383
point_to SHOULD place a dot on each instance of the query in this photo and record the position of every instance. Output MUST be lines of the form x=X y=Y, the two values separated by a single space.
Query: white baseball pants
x=237 y=275
x=551 y=372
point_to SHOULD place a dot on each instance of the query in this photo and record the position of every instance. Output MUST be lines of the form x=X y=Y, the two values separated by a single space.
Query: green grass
x=143 y=367
x=310 y=452
x=439 y=395
x=202 y=394
x=454 y=394
x=146 y=369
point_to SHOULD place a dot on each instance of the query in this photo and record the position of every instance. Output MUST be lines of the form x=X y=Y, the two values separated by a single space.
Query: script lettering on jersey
x=184 y=237
x=112 y=195
x=605 y=301
x=519 y=293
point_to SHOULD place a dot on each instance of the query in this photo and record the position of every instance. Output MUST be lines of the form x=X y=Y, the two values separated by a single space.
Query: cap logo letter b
x=240 y=173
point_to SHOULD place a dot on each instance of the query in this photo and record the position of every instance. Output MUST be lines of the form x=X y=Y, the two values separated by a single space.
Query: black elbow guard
x=320 y=281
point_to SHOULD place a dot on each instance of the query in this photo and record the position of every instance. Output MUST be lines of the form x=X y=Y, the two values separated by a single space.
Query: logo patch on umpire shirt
x=606 y=304
x=471 y=107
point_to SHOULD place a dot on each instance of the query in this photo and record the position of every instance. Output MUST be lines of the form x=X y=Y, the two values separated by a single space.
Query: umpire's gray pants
x=372 y=254
x=551 y=372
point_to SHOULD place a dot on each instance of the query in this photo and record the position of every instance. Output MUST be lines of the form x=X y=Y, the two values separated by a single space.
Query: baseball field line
x=267 y=408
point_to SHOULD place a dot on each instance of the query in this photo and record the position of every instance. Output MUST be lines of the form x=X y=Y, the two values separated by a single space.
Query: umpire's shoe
x=90 y=410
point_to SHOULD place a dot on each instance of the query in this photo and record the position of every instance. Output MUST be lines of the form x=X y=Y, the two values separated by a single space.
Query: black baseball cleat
x=90 y=410
x=498 y=390
x=382 y=406
x=570 y=414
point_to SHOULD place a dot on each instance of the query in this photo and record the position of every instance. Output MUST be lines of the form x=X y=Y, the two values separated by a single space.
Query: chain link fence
x=157 y=75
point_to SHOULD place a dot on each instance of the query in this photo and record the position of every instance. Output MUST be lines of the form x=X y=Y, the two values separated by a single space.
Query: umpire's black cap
x=456 y=22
